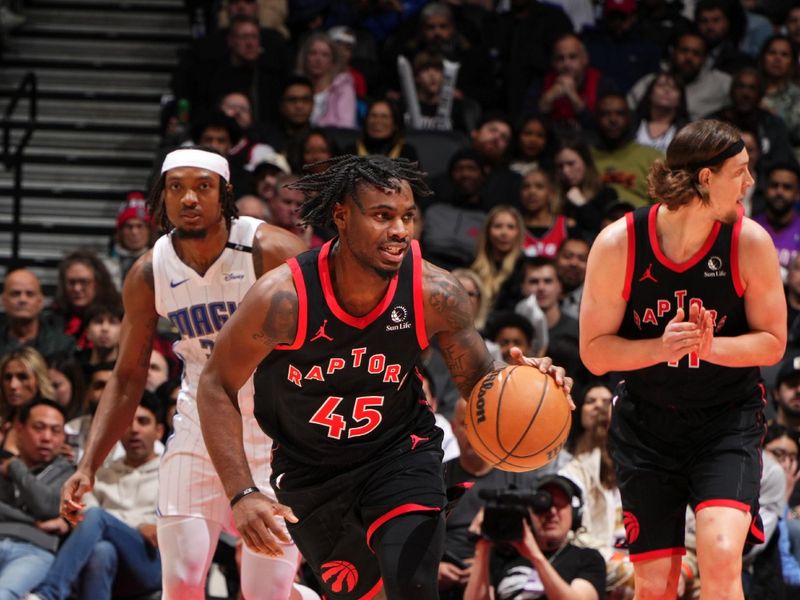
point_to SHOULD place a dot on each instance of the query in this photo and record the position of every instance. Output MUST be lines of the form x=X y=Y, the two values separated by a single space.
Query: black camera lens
x=541 y=501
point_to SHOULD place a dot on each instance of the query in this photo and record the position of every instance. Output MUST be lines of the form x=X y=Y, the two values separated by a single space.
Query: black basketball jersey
x=347 y=386
x=655 y=287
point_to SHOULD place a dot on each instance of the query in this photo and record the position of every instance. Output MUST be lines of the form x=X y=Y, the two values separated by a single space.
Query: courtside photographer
x=524 y=550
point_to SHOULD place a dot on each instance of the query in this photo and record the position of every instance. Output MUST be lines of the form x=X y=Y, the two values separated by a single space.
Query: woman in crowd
x=383 y=133
x=499 y=247
x=24 y=377
x=545 y=226
x=82 y=281
x=534 y=145
x=584 y=197
x=69 y=385
x=661 y=111
x=778 y=65
x=315 y=145
x=334 y=92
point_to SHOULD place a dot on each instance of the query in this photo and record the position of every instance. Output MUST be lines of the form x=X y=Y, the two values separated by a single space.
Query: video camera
x=505 y=511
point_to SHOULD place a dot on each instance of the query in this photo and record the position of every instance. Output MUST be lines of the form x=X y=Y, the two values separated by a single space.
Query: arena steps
x=103 y=67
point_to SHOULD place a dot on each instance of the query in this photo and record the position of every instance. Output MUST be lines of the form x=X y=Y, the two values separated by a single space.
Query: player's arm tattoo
x=147 y=274
x=462 y=347
x=280 y=322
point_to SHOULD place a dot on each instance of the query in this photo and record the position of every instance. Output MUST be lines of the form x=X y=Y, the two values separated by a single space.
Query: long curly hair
x=674 y=181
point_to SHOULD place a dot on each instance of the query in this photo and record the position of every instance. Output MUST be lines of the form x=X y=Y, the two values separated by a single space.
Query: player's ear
x=703 y=176
x=338 y=214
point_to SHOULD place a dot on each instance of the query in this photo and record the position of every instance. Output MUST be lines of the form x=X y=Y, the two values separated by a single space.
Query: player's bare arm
x=272 y=246
x=448 y=315
x=603 y=308
x=764 y=302
x=123 y=391
x=266 y=318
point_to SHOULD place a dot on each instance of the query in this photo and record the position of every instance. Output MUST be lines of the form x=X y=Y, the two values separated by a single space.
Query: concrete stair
x=102 y=68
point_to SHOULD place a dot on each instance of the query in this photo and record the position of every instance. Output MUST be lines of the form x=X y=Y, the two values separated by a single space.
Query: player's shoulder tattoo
x=447 y=299
x=280 y=321
x=147 y=272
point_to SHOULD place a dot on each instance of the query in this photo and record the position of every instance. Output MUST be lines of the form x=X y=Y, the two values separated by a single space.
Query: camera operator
x=471 y=473
x=539 y=562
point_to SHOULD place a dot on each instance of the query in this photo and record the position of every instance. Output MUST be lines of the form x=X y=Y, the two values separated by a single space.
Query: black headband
x=731 y=150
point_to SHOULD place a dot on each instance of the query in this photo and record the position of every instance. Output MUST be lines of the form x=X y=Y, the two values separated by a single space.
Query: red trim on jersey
x=302 y=307
x=654 y=554
x=693 y=260
x=756 y=532
x=626 y=291
x=419 y=304
x=722 y=502
x=374 y=591
x=395 y=512
x=333 y=304
x=735 y=275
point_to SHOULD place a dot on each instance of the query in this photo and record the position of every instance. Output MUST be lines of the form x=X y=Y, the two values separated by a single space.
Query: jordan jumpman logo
x=648 y=274
x=415 y=439
x=321 y=332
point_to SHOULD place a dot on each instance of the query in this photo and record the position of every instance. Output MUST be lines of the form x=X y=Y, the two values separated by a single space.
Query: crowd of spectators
x=557 y=110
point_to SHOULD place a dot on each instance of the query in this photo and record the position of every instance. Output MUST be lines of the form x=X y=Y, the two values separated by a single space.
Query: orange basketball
x=518 y=418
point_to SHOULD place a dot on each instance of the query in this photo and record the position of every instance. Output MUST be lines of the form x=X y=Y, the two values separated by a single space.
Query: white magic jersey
x=198 y=306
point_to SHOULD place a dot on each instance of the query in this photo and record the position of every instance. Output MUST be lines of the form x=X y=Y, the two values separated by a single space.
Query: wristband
x=245 y=492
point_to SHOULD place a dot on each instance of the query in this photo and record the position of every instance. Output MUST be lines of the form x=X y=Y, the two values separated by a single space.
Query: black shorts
x=338 y=518
x=667 y=458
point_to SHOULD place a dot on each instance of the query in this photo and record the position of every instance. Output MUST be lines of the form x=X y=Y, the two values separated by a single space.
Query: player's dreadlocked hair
x=328 y=181
x=155 y=206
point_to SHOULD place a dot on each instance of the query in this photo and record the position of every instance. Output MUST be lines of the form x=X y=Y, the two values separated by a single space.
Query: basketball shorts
x=339 y=516
x=667 y=458
x=188 y=484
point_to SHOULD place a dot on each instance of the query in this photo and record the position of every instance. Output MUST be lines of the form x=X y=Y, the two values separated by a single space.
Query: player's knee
x=185 y=579
x=724 y=563
x=270 y=585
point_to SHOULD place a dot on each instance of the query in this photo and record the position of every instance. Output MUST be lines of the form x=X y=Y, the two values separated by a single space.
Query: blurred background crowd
x=537 y=123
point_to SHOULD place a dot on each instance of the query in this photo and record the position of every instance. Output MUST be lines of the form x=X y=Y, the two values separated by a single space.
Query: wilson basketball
x=518 y=419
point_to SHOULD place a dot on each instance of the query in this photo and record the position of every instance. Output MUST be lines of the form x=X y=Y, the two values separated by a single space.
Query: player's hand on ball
x=72 y=492
x=256 y=518
x=545 y=365
x=680 y=337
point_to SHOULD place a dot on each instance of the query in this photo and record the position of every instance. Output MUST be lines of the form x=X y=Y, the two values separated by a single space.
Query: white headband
x=201 y=159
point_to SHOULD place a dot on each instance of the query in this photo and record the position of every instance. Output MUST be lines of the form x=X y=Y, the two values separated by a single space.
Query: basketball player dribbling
x=334 y=336
x=687 y=421
x=196 y=275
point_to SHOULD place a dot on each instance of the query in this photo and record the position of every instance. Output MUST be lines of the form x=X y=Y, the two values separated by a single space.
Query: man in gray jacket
x=29 y=498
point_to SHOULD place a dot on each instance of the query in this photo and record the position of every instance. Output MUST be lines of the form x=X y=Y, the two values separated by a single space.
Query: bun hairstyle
x=701 y=144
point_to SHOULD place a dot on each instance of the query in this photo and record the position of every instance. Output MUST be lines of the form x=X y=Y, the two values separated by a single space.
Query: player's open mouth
x=393 y=253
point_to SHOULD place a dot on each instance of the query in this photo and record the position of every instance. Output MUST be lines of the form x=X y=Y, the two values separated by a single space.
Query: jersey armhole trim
x=735 y=274
x=626 y=290
x=419 y=304
x=302 y=307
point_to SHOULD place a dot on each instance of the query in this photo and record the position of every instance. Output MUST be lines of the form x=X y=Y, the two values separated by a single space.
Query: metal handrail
x=13 y=158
